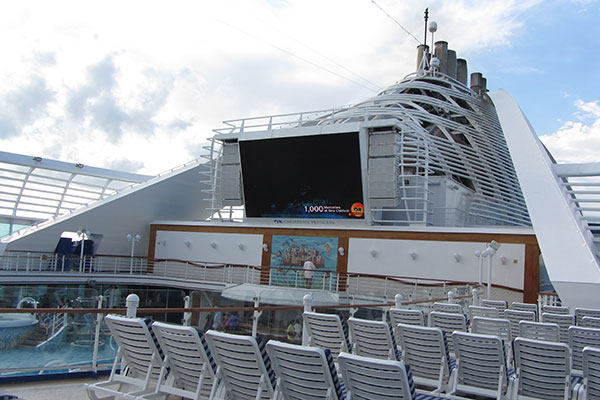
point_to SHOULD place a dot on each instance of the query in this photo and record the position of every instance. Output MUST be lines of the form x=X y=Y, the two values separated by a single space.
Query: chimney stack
x=452 y=64
x=441 y=52
x=462 y=72
x=422 y=49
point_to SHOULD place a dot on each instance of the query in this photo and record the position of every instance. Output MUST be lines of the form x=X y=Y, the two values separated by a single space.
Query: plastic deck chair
x=373 y=339
x=373 y=379
x=500 y=305
x=448 y=308
x=408 y=317
x=590 y=322
x=138 y=362
x=580 y=313
x=448 y=323
x=327 y=331
x=481 y=367
x=497 y=327
x=564 y=322
x=304 y=373
x=539 y=331
x=542 y=369
x=516 y=305
x=426 y=351
x=188 y=361
x=591 y=374
x=556 y=310
x=516 y=316
x=579 y=338
x=486 y=312
x=243 y=367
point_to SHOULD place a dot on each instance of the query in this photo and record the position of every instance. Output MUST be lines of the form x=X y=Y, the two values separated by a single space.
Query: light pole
x=82 y=232
x=493 y=246
x=133 y=240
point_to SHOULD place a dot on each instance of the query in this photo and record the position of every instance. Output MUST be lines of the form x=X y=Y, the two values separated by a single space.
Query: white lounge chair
x=564 y=322
x=591 y=374
x=500 y=305
x=374 y=379
x=448 y=308
x=556 y=310
x=448 y=323
x=486 y=312
x=516 y=305
x=590 y=322
x=497 y=327
x=516 y=316
x=188 y=361
x=426 y=351
x=539 y=331
x=304 y=373
x=408 y=317
x=579 y=338
x=580 y=313
x=542 y=369
x=243 y=367
x=327 y=331
x=373 y=339
x=481 y=367
x=137 y=366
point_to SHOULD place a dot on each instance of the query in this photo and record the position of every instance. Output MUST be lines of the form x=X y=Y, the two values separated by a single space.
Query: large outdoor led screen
x=316 y=176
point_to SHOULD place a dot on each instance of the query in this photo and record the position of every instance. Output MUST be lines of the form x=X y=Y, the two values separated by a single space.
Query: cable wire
x=397 y=23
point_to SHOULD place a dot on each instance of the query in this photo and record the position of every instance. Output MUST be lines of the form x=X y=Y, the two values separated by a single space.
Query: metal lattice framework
x=33 y=189
x=443 y=129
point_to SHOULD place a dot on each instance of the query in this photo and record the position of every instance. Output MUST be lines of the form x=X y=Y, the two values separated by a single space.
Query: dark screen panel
x=316 y=176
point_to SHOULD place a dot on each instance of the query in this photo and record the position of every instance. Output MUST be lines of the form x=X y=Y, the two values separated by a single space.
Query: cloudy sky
x=139 y=85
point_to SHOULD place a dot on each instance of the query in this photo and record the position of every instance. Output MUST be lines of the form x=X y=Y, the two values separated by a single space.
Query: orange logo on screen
x=357 y=210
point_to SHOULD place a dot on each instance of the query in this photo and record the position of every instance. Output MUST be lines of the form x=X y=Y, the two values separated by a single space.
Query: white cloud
x=147 y=81
x=577 y=141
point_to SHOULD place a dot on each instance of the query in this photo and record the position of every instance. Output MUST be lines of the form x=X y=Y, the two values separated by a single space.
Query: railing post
x=97 y=335
x=451 y=297
x=398 y=299
x=132 y=302
x=41 y=259
x=475 y=297
x=187 y=316
x=28 y=261
x=307 y=300
x=255 y=316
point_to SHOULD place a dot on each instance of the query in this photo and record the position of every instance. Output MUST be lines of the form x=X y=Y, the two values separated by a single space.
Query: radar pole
x=426 y=19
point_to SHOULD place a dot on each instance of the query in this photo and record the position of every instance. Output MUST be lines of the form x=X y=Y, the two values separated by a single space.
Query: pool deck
x=67 y=389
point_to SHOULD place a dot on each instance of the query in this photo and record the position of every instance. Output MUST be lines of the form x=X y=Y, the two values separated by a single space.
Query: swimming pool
x=14 y=328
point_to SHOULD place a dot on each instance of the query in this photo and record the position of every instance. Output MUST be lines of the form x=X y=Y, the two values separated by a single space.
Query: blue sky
x=139 y=85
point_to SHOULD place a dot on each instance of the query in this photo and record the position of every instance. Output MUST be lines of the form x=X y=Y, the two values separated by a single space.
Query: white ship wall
x=436 y=260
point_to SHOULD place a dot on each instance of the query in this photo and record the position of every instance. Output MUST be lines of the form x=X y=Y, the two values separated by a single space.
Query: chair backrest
x=590 y=322
x=327 y=331
x=580 y=337
x=187 y=358
x=426 y=351
x=408 y=317
x=243 y=366
x=500 y=305
x=516 y=316
x=137 y=345
x=369 y=378
x=539 y=331
x=304 y=373
x=373 y=339
x=481 y=367
x=564 y=322
x=492 y=326
x=448 y=323
x=487 y=312
x=516 y=305
x=448 y=308
x=580 y=313
x=542 y=369
x=556 y=310
x=591 y=373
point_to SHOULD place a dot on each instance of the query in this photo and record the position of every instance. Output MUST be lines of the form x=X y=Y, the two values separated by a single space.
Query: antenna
x=426 y=18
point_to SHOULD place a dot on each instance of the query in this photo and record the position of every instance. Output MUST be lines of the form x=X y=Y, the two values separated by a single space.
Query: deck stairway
x=563 y=202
